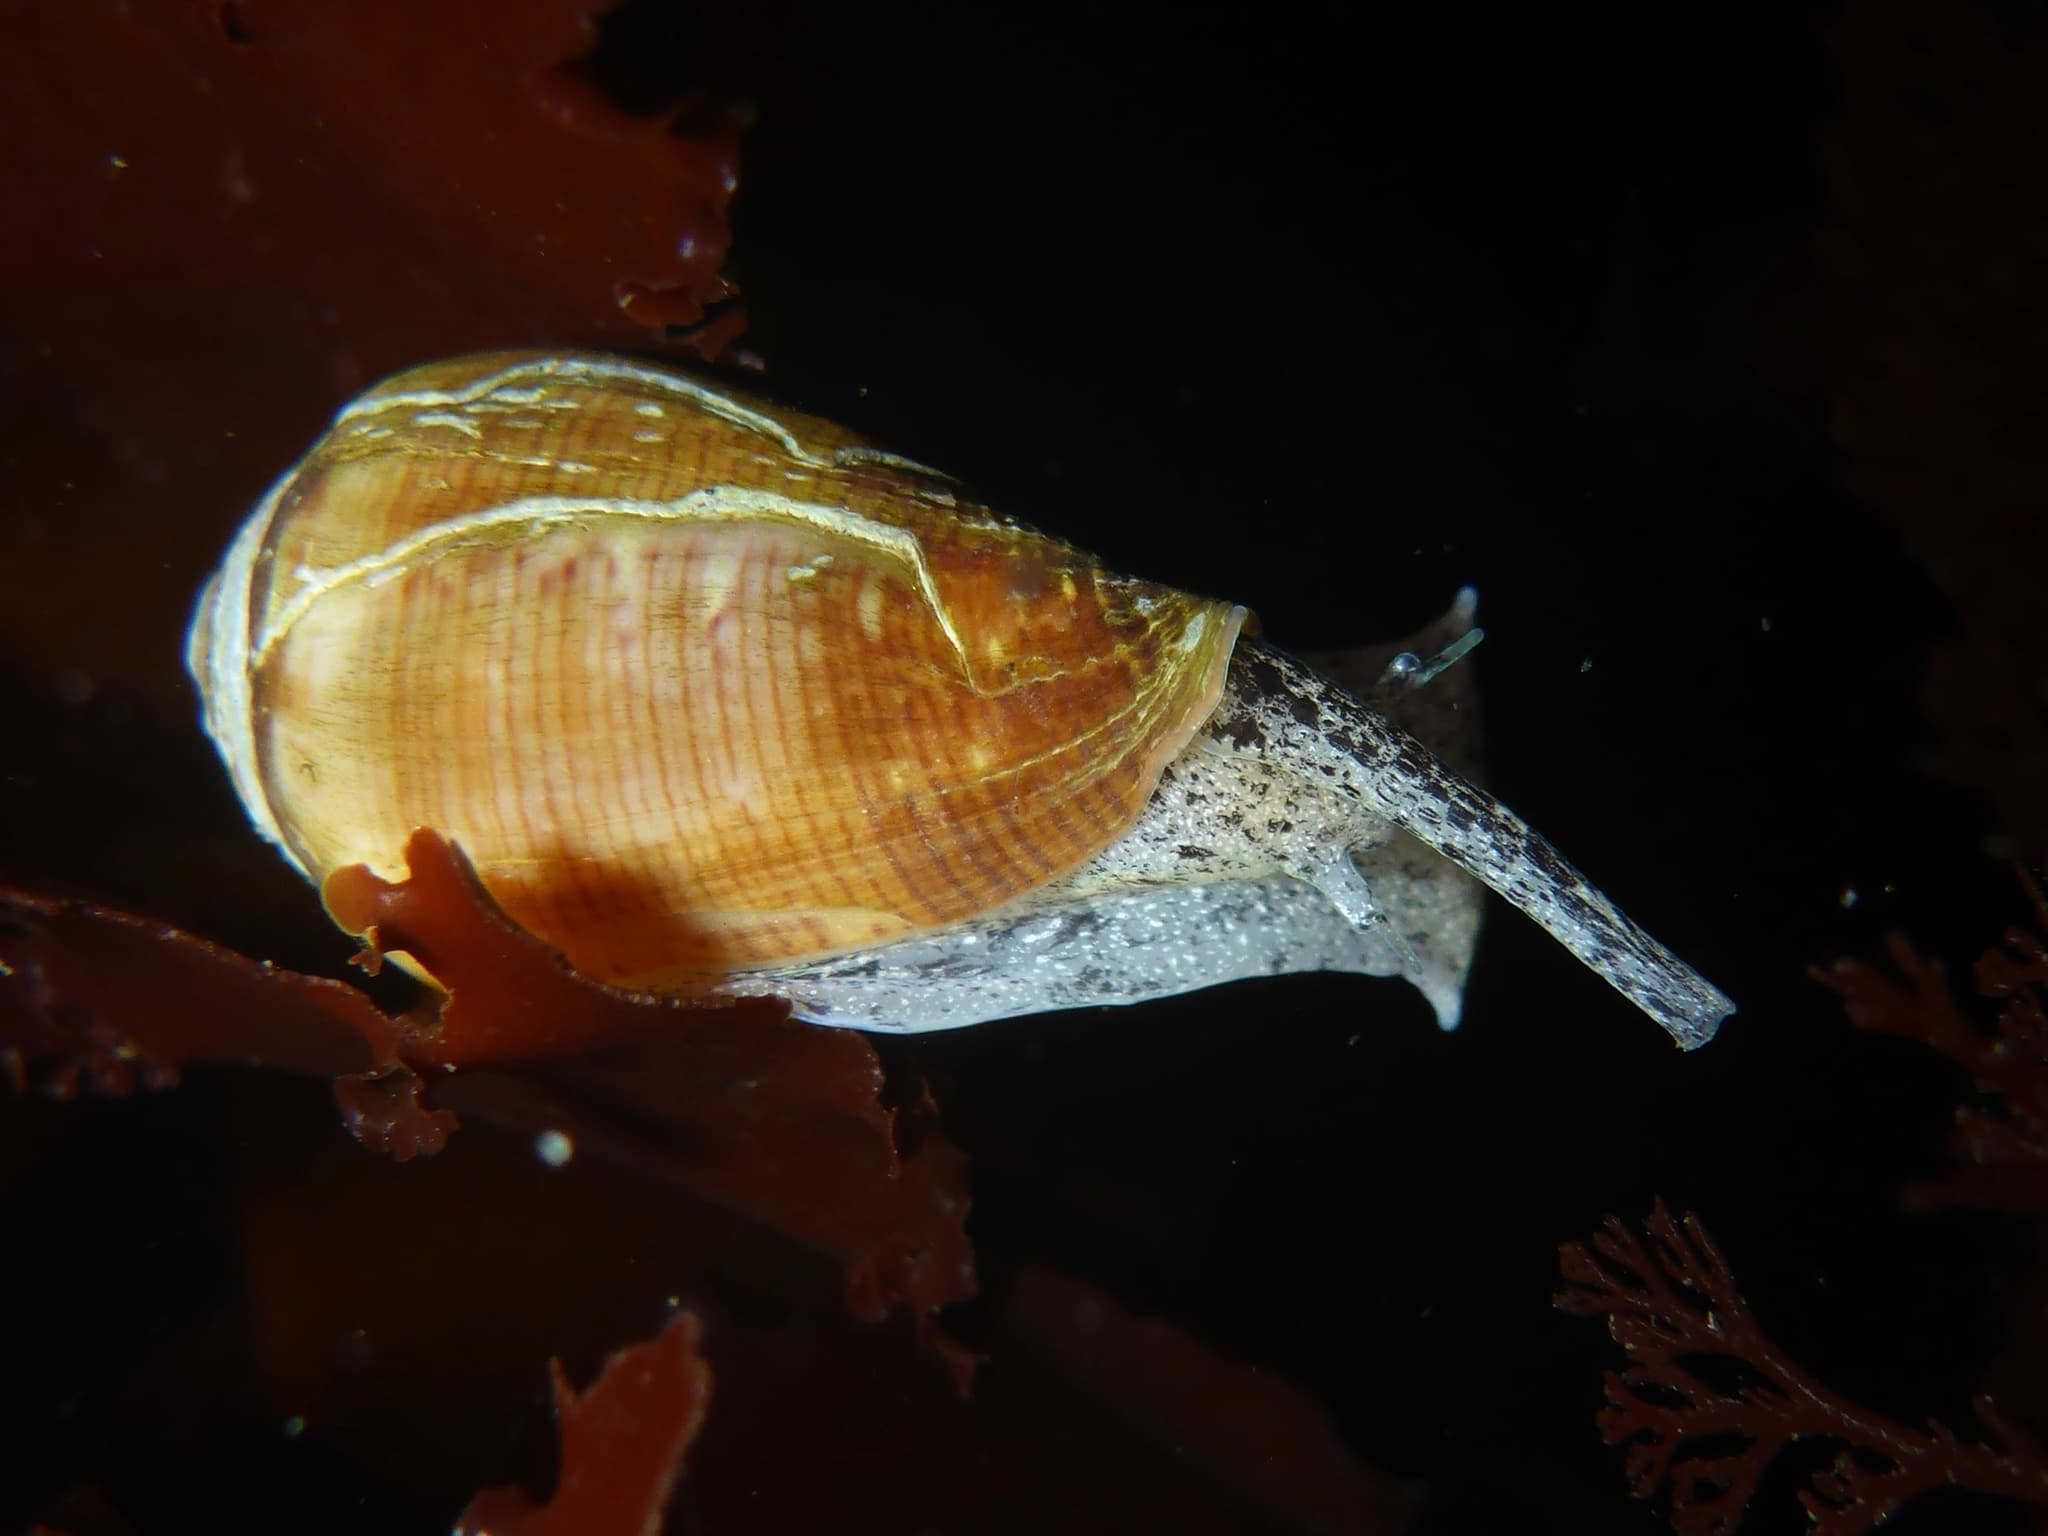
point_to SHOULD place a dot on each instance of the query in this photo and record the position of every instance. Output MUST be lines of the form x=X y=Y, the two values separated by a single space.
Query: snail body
x=715 y=695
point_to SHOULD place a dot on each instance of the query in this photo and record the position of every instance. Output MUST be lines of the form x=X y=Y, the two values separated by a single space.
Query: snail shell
x=714 y=694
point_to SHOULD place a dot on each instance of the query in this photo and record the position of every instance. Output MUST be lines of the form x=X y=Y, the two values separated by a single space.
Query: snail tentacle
x=1407 y=673
x=1345 y=887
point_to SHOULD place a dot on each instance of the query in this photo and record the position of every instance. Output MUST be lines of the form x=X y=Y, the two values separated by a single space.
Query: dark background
x=1695 y=339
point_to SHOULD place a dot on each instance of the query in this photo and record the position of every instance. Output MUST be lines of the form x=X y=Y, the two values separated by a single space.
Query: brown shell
x=696 y=682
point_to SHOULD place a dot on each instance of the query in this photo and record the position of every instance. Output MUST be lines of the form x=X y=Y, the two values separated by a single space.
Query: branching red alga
x=1708 y=1401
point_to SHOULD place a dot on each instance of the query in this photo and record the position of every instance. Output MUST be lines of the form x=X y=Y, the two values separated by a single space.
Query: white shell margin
x=217 y=656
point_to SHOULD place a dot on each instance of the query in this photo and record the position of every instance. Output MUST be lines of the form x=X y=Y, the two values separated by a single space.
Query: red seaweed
x=623 y=1440
x=1709 y=1432
x=508 y=997
x=781 y=1120
x=785 y=1118
x=2004 y=1139
x=330 y=193
x=1708 y=1401
x=1252 y=1435
x=105 y=1000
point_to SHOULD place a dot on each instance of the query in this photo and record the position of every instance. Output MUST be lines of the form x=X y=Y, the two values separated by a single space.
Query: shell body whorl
x=697 y=683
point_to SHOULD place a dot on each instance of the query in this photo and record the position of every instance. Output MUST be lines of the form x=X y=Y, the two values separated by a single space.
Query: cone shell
x=697 y=683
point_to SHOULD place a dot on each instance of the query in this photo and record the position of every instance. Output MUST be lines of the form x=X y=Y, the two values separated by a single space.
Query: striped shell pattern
x=592 y=620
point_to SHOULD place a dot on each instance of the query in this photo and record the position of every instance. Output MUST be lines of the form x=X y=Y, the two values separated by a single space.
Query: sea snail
x=715 y=695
